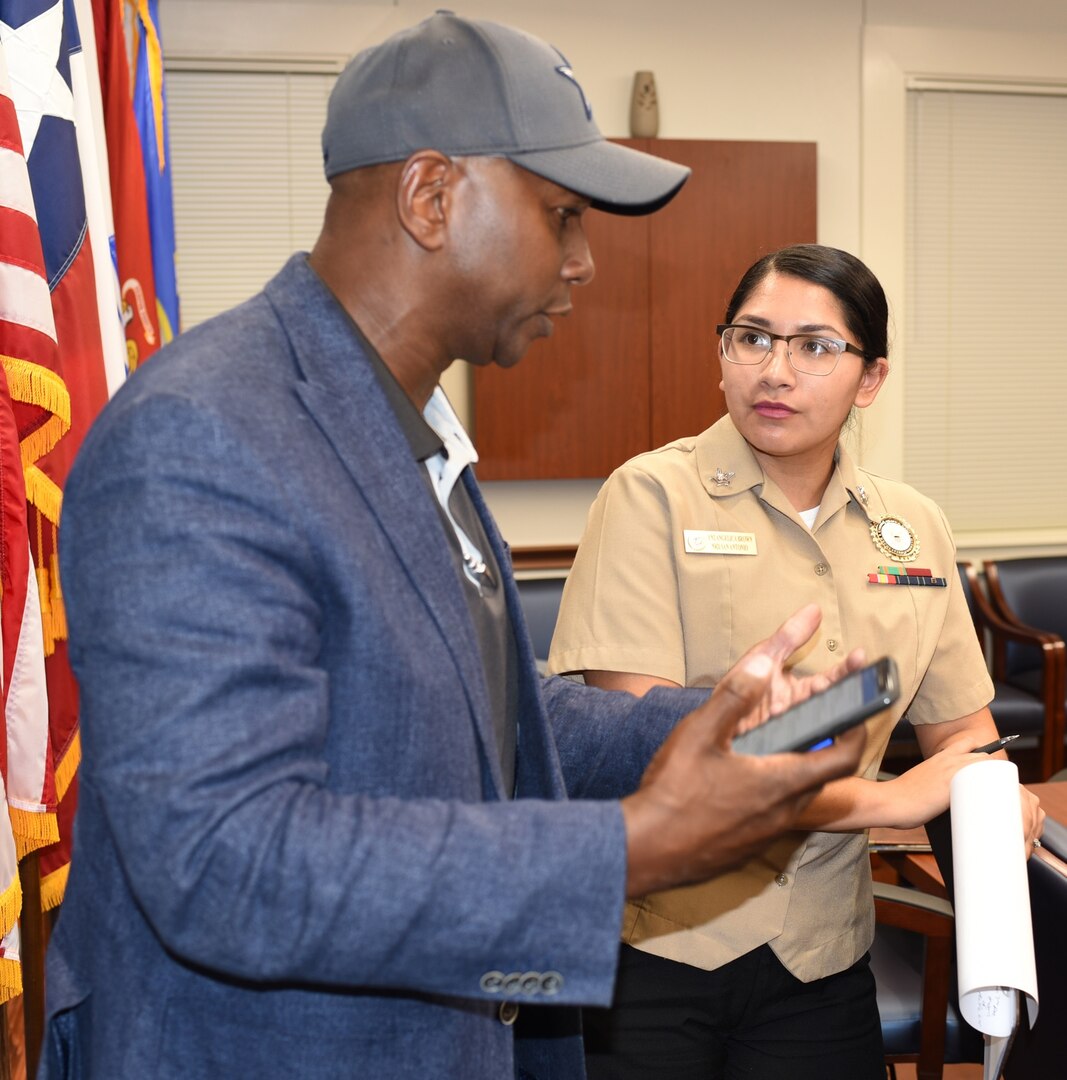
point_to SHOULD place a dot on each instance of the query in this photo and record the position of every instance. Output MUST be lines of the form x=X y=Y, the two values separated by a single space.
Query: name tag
x=704 y=542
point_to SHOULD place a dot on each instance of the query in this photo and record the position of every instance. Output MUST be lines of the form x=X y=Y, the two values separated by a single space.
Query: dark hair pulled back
x=855 y=288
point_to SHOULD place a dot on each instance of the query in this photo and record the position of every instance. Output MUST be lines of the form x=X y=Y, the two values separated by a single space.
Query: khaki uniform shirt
x=642 y=598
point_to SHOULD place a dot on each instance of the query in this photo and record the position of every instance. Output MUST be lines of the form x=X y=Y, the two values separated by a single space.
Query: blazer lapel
x=341 y=392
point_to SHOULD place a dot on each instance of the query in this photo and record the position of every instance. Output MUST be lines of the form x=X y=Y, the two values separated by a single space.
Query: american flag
x=28 y=352
x=60 y=371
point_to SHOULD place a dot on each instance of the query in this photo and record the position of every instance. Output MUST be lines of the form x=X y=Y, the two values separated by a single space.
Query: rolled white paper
x=994 y=932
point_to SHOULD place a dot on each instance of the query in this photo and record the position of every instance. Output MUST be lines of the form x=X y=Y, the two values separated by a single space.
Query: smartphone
x=819 y=718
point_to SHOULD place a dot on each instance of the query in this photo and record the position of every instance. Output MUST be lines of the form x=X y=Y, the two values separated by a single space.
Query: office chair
x=1030 y=596
x=540 y=597
x=898 y=959
x=1017 y=709
x=912 y=962
x=1038 y=1053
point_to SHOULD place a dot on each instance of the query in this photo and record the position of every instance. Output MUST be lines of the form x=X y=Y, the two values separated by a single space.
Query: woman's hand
x=967 y=733
x=1033 y=818
x=905 y=802
x=922 y=792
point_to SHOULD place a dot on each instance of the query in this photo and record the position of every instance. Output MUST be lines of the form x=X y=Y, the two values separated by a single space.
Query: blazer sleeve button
x=551 y=983
x=492 y=981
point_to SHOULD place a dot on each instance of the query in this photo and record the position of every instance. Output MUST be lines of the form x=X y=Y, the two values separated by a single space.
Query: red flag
x=48 y=76
x=28 y=355
x=133 y=244
x=25 y=757
x=25 y=754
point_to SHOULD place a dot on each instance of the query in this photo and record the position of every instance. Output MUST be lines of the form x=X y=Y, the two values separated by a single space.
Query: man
x=323 y=828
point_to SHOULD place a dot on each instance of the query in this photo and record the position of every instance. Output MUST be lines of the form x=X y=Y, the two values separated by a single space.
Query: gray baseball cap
x=468 y=87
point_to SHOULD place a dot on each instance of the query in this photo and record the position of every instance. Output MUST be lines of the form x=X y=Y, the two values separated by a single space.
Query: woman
x=696 y=549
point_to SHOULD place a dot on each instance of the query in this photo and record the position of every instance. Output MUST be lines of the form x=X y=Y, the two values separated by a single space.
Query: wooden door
x=635 y=364
x=744 y=199
x=577 y=403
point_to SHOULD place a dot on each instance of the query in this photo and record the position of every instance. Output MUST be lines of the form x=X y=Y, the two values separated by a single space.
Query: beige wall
x=723 y=70
x=830 y=71
x=996 y=44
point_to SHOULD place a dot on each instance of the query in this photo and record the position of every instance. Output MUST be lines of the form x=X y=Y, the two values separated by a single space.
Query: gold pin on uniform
x=895 y=538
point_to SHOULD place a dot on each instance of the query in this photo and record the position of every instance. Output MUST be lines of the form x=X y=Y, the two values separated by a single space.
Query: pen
x=993 y=747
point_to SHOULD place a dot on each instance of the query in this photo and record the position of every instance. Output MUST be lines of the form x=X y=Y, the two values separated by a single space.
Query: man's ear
x=423 y=197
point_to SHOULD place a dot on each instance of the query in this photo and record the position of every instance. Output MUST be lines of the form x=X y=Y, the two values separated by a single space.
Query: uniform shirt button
x=821 y=568
x=831 y=644
x=509 y=1012
x=781 y=880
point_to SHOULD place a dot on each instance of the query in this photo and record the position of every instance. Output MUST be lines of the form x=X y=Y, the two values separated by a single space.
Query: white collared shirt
x=445 y=468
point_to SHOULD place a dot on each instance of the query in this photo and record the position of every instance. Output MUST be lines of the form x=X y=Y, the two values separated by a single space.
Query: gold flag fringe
x=33 y=384
x=53 y=886
x=37 y=385
x=68 y=765
x=10 y=905
x=45 y=594
x=32 y=829
x=10 y=979
x=10 y=969
x=43 y=492
x=49 y=589
x=59 y=611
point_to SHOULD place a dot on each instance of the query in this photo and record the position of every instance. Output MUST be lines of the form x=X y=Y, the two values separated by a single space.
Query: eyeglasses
x=812 y=354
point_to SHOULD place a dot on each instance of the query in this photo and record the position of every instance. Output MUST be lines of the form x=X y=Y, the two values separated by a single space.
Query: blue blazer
x=293 y=856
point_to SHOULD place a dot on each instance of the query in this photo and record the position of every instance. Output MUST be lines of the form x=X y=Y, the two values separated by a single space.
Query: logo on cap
x=567 y=72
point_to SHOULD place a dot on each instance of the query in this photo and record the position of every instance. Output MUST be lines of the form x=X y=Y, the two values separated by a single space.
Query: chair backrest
x=983 y=613
x=968 y=591
x=1034 y=591
x=903 y=733
x=1038 y=1051
x=1027 y=658
x=911 y=959
x=540 y=599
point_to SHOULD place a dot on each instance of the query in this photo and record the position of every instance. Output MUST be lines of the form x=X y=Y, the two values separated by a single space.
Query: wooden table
x=907 y=851
x=1053 y=800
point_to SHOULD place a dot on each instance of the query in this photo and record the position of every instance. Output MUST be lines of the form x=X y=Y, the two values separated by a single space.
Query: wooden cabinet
x=635 y=365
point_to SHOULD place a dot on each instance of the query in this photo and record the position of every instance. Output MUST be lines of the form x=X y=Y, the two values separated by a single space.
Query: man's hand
x=702 y=809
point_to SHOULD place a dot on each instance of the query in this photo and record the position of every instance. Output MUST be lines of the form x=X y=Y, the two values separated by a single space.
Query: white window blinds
x=248 y=182
x=985 y=428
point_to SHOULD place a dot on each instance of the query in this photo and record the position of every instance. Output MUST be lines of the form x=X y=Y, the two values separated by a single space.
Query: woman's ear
x=423 y=197
x=874 y=375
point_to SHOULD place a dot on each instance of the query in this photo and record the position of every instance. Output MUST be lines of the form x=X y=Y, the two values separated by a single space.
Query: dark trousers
x=750 y=1018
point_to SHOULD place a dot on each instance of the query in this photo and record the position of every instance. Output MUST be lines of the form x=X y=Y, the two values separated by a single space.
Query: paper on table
x=994 y=933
